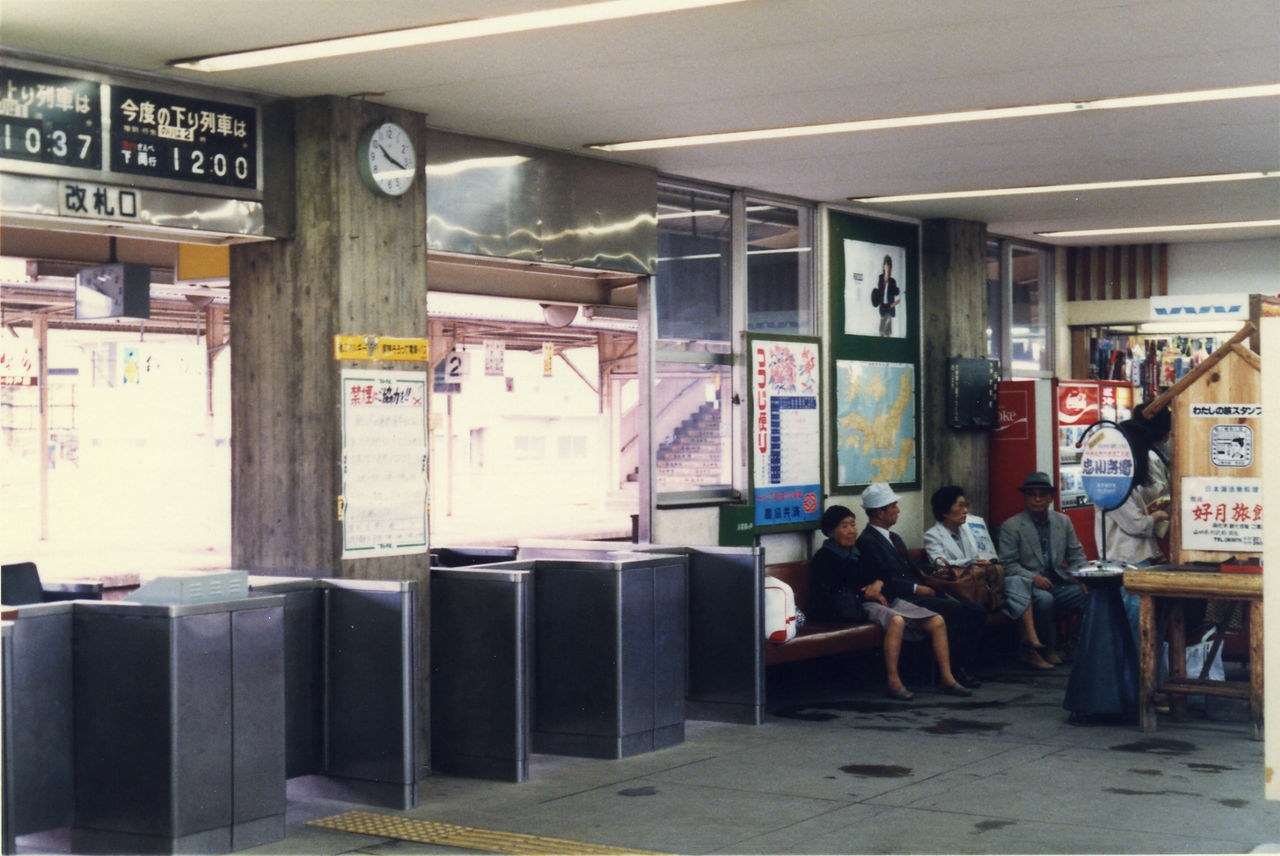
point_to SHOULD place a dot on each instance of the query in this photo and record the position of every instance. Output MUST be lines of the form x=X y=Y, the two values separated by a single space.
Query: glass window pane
x=692 y=281
x=779 y=297
x=1031 y=310
x=692 y=431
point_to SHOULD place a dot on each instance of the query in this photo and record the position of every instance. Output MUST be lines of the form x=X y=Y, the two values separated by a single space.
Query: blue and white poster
x=786 y=433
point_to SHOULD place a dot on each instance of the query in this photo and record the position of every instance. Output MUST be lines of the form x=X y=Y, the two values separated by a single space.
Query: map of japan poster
x=875 y=422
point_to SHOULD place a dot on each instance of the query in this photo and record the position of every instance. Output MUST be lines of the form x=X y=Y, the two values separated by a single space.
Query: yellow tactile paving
x=431 y=832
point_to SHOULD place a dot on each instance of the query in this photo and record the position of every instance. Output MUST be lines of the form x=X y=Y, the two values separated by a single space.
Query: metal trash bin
x=482 y=672
x=179 y=726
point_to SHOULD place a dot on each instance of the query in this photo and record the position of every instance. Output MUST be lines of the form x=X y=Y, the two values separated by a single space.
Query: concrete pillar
x=356 y=264
x=953 y=292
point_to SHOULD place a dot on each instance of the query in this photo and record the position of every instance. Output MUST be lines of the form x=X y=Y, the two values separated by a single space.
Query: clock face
x=386 y=159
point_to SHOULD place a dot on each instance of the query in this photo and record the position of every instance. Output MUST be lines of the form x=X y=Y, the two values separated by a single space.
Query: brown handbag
x=982 y=584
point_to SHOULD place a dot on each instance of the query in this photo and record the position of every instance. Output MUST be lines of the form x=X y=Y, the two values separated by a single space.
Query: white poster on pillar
x=383 y=507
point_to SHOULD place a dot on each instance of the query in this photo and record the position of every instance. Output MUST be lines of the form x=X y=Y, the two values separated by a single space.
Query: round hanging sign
x=1106 y=465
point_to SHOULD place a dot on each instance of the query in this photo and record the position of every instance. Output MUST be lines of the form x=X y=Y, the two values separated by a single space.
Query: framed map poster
x=785 y=431
x=873 y=294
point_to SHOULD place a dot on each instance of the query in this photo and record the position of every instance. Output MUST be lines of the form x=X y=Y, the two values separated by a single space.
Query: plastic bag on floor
x=1196 y=655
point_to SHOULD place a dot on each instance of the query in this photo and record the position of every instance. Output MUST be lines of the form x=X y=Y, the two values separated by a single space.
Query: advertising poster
x=384 y=463
x=1223 y=514
x=875 y=297
x=1079 y=406
x=786 y=449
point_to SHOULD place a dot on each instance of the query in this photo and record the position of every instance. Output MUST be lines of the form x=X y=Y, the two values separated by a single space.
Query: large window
x=693 y=287
x=1020 y=303
x=725 y=263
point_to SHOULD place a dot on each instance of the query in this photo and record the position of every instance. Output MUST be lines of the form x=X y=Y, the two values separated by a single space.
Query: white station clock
x=386 y=159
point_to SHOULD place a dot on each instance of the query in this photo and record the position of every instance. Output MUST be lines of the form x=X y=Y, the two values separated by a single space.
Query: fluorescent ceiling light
x=1185 y=227
x=542 y=19
x=1260 y=91
x=1068 y=188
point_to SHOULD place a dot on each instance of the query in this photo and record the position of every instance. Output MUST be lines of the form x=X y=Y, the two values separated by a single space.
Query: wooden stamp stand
x=1217 y=430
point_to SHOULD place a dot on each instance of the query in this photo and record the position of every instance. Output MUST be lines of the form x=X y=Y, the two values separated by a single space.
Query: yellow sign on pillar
x=381 y=349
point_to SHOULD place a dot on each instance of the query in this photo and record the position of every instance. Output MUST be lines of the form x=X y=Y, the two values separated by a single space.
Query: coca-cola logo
x=1075 y=402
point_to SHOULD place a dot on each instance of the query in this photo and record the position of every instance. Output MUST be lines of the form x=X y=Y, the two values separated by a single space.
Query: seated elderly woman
x=951 y=543
x=845 y=589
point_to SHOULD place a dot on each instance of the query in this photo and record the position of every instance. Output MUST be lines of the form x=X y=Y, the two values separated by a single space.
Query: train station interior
x=406 y=411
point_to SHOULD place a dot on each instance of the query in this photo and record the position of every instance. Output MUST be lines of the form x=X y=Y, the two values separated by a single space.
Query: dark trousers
x=965 y=621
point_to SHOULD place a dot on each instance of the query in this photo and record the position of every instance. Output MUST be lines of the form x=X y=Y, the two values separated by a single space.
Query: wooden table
x=1162 y=591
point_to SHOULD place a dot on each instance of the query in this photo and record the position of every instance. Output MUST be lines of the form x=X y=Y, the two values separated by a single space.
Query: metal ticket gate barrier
x=725 y=596
x=482 y=672
x=179 y=726
x=609 y=652
x=352 y=728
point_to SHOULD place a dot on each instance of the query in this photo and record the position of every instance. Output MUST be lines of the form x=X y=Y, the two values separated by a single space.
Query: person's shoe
x=1031 y=657
x=957 y=689
x=1051 y=657
x=900 y=692
x=965 y=678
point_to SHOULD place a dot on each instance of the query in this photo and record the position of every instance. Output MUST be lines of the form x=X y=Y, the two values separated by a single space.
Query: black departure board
x=50 y=119
x=182 y=138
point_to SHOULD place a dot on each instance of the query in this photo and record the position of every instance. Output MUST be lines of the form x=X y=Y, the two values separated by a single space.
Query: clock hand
x=388 y=154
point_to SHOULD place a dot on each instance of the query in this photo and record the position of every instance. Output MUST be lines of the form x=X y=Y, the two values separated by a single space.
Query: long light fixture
x=1068 y=188
x=1141 y=230
x=1024 y=111
x=583 y=13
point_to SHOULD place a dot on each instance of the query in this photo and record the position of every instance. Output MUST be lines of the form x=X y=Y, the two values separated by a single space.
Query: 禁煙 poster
x=384 y=463
x=786 y=445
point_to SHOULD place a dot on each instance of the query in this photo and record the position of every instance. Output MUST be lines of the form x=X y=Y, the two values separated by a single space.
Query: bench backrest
x=796 y=575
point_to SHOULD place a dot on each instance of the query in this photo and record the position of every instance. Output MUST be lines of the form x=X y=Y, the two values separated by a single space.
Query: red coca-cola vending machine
x=1041 y=422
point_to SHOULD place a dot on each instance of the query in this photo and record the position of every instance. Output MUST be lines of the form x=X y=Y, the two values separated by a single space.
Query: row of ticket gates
x=172 y=720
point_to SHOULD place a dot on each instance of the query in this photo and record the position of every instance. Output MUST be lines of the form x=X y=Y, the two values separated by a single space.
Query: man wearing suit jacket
x=884 y=556
x=1041 y=544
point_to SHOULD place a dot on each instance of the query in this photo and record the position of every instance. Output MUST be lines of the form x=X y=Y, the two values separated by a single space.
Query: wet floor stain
x=1230 y=803
x=1209 y=768
x=885 y=727
x=1130 y=792
x=963 y=726
x=1146 y=772
x=1157 y=746
x=876 y=771
x=646 y=791
x=988 y=825
x=805 y=715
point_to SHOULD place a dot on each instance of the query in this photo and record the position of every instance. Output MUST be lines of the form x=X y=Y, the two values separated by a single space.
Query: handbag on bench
x=982 y=584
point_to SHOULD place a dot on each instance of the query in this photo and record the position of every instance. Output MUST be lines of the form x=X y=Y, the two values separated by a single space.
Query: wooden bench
x=819 y=638
x=815 y=638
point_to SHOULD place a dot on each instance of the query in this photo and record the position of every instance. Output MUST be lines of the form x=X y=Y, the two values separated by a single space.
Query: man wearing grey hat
x=1041 y=545
x=889 y=560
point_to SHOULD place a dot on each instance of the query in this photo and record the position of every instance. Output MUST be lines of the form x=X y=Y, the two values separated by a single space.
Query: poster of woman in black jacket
x=886 y=296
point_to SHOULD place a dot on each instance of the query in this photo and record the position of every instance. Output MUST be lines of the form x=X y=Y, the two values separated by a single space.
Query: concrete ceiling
x=767 y=63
